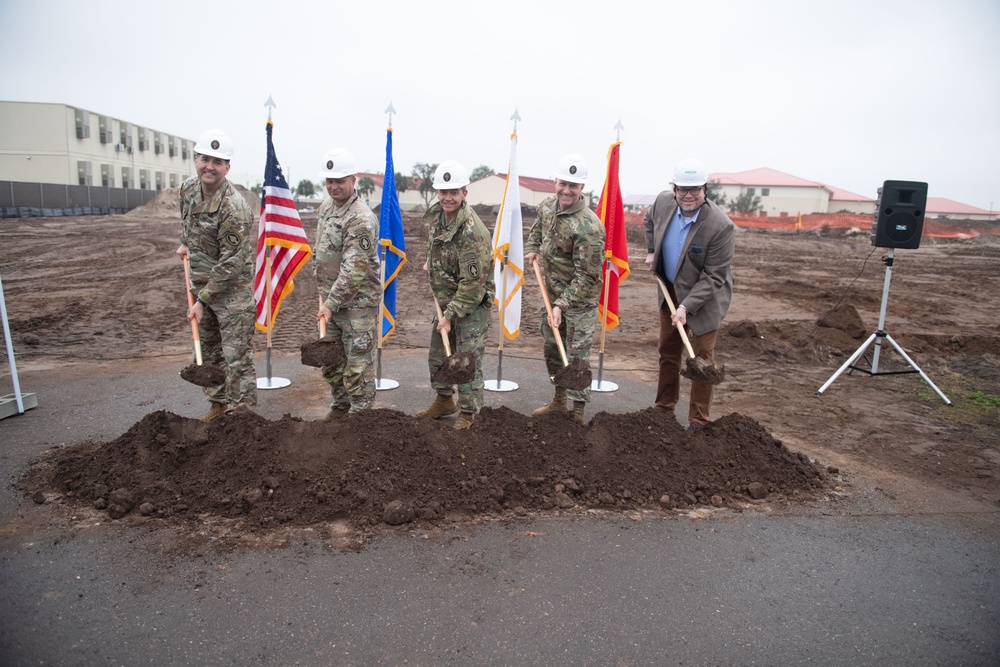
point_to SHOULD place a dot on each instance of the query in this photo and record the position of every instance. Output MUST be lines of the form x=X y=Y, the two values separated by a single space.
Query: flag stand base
x=385 y=385
x=272 y=383
x=499 y=385
x=603 y=386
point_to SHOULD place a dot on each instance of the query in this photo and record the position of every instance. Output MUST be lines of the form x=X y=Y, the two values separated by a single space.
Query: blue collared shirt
x=673 y=241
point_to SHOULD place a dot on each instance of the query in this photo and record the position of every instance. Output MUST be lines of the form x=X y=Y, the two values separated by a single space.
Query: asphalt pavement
x=857 y=583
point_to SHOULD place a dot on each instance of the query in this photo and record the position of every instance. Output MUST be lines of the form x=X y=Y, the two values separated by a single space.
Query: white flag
x=508 y=251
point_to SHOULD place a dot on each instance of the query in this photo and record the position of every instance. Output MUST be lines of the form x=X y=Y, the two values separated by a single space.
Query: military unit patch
x=474 y=269
x=365 y=243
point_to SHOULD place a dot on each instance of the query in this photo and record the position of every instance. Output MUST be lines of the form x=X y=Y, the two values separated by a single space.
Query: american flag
x=281 y=232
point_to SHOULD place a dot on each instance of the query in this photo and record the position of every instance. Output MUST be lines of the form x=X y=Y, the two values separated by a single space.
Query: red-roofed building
x=489 y=190
x=939 y=207
x=780 y=194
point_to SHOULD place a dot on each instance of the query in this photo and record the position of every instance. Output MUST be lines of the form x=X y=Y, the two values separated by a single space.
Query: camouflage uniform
x=221 y=249
x=570 y=246
x=460 y=263
x=347 y=275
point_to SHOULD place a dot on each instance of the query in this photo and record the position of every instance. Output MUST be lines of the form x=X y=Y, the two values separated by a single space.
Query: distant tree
x=366 y=186
x=402 y=183
x=305 y=188
x=424 y=173
x=714 y=192
x=482 y=171
x=745 y=203
x=257 y=189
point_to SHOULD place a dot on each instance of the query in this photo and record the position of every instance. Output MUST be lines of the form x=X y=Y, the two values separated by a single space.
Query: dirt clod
x=204 y=375
x=322 y=352
x=575 y=376
x=459 y=368
x=704 y=370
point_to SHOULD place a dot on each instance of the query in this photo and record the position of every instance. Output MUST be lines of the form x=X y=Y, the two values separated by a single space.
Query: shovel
x=322 y=352
x=698 y=369
x=457 y=369
x=196 y=373
x=576 y=375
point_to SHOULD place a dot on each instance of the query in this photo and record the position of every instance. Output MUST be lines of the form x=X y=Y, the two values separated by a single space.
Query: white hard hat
x=215 y=143
x=450 y=175
x=572 y=168
x=690 y=173
x=338 y=163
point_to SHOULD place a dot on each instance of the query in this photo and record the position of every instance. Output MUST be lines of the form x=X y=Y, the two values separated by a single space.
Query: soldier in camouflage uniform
x=347 y=275
x=216 y=237
x=460 y=264
x=567 y=240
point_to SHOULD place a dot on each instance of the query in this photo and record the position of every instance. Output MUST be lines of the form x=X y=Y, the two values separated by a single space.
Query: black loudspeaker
x=899 y=214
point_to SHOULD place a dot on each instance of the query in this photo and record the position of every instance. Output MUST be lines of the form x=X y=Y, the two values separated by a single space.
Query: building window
x=750 y=191
x=173 y=146
x=82 y=123
x=158 y=140
x=173 y=180
x=107 y=176
x=126 y=137
x=159 y=180
x=106 y=128
x=127 y=177
x=185 y=149
x=144 y=179
x=83 y=170
x=765 y=192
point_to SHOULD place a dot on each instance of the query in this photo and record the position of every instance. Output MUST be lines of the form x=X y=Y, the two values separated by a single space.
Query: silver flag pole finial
x=390 y=110
x=515 y=117
x=618 y=130
x=270 y=105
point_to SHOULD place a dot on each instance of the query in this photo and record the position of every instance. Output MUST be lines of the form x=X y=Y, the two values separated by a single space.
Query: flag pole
x=269 y=382
x=382 y=384
x=500 y=384
x=600 y=384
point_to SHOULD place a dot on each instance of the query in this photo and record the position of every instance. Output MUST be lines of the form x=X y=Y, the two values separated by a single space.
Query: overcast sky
x=848 y=93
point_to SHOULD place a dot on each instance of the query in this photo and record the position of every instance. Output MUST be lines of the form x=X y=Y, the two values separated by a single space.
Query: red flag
x=612 y=214
x=281 y=232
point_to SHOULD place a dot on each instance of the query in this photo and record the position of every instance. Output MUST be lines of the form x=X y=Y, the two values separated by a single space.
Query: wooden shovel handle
x=680 y=327
x=548 y=309
x=190 y=298
x=444 y=336
x=322 y=321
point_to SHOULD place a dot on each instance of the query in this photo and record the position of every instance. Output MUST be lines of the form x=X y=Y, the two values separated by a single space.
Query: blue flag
x=390 y=234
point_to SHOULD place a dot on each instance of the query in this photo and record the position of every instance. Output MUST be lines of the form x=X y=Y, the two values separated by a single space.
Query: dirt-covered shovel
x=322 y=352
x=575 y=375
x=697 y=369
x=459 y=368
x=197 y=373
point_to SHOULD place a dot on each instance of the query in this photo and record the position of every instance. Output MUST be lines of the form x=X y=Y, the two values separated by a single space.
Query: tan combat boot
x=215 y=412
x=558 y=403
x=441 y=407
x=334 y=414
x=578 y=408
x=464 y=420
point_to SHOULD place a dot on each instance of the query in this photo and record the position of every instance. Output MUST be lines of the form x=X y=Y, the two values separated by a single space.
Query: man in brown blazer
x=690 y=243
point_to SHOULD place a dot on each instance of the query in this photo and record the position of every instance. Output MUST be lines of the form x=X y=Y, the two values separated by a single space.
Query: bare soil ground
x=95 y=288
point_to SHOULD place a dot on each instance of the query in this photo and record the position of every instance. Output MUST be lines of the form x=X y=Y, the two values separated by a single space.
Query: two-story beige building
x=60 y=144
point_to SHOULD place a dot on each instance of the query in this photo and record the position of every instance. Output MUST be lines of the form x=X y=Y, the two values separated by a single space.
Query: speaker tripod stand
x=877 y=339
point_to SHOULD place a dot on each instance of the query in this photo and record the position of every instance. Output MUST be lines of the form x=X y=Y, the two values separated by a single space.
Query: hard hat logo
x=338 y=163
x=215 y=144
x=450 y=175
x=572 y=169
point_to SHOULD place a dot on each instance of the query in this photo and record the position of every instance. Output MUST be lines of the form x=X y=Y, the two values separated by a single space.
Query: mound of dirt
x=384 y=467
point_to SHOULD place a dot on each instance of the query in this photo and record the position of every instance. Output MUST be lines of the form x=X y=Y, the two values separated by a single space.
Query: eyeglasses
x=687 y=191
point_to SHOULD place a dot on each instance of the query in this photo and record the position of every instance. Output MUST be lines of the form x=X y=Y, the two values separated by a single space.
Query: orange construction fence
x=818 y=221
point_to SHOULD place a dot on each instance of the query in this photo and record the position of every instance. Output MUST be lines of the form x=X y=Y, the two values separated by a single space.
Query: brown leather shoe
x=558 y=403
x=464 y=420
x=334 y=414
x=215 y=412
x=441 y=407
